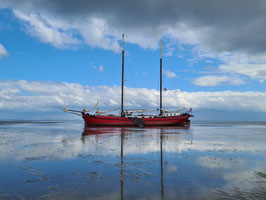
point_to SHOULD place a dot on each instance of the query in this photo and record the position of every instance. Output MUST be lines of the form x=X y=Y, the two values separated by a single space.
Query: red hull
x=92 y=120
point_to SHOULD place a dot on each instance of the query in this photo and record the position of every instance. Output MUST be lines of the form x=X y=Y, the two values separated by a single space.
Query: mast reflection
x=122 y=166
x=170 y=134
x=161 y=151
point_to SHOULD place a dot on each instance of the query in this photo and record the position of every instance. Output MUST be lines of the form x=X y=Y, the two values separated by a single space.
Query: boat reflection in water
x=162 y=133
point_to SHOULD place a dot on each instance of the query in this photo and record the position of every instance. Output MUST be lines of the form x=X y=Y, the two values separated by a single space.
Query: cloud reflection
x=47 y=144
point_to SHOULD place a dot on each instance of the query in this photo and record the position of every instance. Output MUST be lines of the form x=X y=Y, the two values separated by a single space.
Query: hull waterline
x=94 y=120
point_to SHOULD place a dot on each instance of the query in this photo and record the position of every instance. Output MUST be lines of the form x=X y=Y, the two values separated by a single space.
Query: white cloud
x=49 y=31
x=254 y=70
x=169 y=74
x=236 y=66
x=3 y=51
x=218 y=80
x=93 y=31
x=96 y=33
x=40 y=96
x=62 y=34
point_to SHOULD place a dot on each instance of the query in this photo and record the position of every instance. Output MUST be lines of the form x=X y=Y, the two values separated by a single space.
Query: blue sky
x=208 y=62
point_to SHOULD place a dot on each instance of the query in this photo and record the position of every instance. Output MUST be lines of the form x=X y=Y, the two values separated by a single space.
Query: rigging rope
x=115 y=61
x=140 y=100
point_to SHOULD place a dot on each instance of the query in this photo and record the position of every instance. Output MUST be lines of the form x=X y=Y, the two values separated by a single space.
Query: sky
x=68 y=53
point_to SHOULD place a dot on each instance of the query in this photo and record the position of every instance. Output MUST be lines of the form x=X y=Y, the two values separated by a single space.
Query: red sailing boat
x=127 y=117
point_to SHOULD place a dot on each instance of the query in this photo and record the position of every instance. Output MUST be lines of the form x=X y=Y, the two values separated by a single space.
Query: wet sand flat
x=209 y=160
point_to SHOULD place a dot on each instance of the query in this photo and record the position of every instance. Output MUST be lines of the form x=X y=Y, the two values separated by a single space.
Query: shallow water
x=209 y=160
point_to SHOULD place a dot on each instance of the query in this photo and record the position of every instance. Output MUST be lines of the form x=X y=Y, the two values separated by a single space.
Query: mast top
x=123 y=36
x=161 y=49
x=161 y=78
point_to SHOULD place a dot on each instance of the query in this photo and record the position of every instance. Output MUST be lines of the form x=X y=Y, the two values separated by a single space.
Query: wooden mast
x=122 y=84
x=161 y=77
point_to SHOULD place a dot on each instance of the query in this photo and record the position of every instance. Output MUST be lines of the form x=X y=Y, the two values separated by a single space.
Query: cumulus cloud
x=217 y=80
x=47 y=30
x=255 y=71
x=3 y=51
x=61 y=34
x=235 y=69
x=43 y=96
x=170 y=74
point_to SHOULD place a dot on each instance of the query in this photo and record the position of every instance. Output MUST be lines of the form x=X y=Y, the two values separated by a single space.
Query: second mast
x=122 y=83
x=161 y=77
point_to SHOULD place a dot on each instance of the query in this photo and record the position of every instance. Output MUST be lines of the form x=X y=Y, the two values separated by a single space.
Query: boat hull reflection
x=108 y=130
